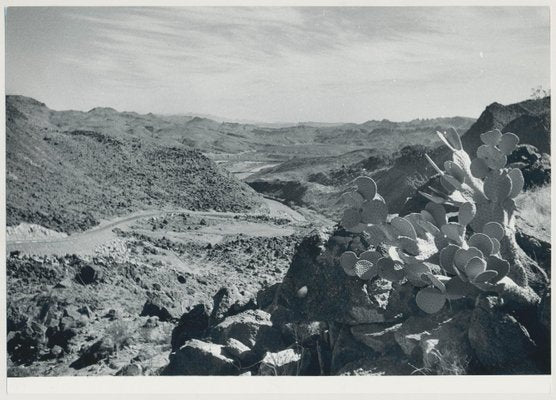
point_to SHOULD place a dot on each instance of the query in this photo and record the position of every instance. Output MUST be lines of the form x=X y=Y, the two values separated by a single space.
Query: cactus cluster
x=448 y=255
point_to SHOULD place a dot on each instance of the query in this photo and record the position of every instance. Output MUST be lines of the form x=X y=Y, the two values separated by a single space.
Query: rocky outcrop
x=534 y=166
x=530 y=120
x=330 y=294
x=501 y=344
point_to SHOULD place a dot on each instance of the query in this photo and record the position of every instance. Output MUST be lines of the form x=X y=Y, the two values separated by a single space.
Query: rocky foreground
x=92 y=314
x=86 y=317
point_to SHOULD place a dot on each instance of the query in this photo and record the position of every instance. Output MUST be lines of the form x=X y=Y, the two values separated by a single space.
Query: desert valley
x=146 y=244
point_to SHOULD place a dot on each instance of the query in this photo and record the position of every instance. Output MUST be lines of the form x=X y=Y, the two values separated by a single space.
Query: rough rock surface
x=191 y=325
x=196 y=357
x=500 y=342
x=285 y=362
x=331 y=294
x=253 y=328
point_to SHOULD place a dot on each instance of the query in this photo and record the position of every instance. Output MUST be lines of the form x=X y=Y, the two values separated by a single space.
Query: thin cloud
x=277 y=63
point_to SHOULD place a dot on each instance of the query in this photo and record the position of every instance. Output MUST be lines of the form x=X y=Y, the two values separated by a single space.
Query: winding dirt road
x=86 y=242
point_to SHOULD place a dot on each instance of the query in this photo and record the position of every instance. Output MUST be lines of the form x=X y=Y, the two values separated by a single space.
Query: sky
x=279 y=64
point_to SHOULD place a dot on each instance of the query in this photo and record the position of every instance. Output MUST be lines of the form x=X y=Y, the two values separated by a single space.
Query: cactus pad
x=447 y=255
x=487 y=212
x=474 y=267
x=351 y=218
x=497 y=186
x=494 y=230
x=365 y=270
x=435 y=281
x=457 y=289
x=502 y=267
x=370 y=255
x=454 y=231
x=366 y=186
x=430 y=300
x=415 y=219
x=451 y=139
x=449 y=183
x=408 y=245
x=455 y=170
x=438 y=212
x=485 y=276
x=403 y=227
x=432 y=229
x=518 y=182
x=427 y=216
x=353 y=199
x=414 y=273
x=508 y=143
x=495 y=245
x=433 y=198
x=374 y=211
x=466 y=213
x=347 y=262
x=462 y=257
x=376 y=234
x=492 y=137
x=493 y=157
x=482 y=242
x=389 y=270
x=479 y=168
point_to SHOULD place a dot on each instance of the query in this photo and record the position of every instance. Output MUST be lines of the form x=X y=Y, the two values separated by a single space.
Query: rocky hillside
x=64 y=175
x=529 y=119
x=318 y=184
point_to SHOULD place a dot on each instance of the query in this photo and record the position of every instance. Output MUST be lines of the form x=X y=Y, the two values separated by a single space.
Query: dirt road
x=86 y=242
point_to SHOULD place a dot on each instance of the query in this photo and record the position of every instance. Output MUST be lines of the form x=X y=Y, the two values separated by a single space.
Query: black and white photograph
x=303 y=191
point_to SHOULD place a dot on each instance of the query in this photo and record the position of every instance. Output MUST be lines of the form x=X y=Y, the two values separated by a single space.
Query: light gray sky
x=279 y=64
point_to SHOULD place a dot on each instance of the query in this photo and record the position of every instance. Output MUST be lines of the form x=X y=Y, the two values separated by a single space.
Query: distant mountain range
x=210 y=136
x=66 y=170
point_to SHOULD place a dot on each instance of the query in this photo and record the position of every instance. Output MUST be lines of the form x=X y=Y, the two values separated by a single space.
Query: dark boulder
x=89 y=274
x=253 y=328
x=265 y=296
x=196 y=357
x=229 y=301
x=537 y=249
x=192 y=325
x=98 y=351
x=501 y=344
x=347 y=349
x=155 y=307
x=24 y=346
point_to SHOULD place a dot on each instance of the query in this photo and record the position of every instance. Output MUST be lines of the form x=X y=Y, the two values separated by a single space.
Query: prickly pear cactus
x=452 y=259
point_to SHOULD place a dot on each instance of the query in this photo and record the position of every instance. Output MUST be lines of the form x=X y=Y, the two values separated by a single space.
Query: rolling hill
x=65 y=175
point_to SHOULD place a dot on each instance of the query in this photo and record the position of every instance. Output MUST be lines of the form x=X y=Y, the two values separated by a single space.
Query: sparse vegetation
x=539 y=92
x=120 y=332
x=534 y=207
x=447 y=362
